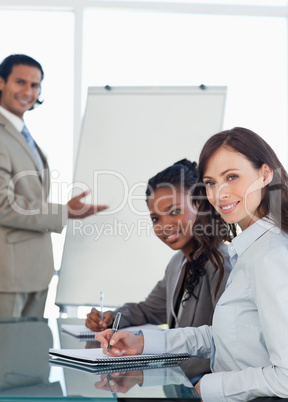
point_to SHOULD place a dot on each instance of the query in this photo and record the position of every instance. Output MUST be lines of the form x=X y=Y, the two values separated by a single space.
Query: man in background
x=26 y=217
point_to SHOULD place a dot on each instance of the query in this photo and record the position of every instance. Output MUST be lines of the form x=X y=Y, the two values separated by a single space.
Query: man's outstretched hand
x=80 y=210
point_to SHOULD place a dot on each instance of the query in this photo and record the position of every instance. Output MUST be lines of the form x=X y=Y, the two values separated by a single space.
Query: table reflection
x=157 y=382
x=24 y=368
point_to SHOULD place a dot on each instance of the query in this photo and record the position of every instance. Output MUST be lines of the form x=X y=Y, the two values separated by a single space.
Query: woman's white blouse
x=248 y=340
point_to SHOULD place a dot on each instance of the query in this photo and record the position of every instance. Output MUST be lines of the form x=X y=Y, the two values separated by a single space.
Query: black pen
x=114 y=329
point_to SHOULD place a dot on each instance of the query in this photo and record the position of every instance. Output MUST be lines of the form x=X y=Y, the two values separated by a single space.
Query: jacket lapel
x=177 y=281
x=46 y=173
x=22 y=141
x=185 y=320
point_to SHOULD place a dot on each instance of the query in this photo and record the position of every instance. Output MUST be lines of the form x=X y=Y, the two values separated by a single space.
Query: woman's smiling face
x=173 y=217
x=234 y=186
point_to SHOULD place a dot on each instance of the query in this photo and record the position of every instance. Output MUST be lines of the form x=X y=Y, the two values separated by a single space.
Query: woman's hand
x=122 y=343
x=94 y=322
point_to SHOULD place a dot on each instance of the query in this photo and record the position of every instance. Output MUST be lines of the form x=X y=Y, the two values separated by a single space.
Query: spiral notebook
x=95 y=357
x=79 y=331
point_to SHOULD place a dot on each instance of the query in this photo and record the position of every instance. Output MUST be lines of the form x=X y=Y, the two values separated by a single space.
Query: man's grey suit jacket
x=26 y=218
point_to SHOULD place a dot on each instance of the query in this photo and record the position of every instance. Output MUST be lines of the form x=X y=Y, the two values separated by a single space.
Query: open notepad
x=83 y=333
x=96 y=358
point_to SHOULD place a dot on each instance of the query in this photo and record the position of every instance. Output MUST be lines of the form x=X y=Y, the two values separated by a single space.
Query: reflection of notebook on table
x=110 y=368
x=160 y=381
x=96 y=357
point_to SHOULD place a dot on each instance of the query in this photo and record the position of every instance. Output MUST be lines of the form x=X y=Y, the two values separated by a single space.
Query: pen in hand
x=114 y=330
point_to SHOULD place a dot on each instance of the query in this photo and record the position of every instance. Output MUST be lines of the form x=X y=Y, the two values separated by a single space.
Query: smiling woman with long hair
x=241 y=181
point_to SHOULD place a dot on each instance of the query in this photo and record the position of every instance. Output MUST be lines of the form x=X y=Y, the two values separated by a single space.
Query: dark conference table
x=27 y=375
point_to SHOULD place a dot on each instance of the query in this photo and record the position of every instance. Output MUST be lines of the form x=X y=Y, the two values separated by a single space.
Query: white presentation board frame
x=128 y=135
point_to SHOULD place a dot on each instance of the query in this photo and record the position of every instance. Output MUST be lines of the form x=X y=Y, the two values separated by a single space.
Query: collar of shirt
x=249 y=236
x=14 y=120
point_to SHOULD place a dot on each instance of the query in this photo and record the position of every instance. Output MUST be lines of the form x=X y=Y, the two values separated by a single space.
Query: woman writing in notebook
x=241 y=181
x=189 y=291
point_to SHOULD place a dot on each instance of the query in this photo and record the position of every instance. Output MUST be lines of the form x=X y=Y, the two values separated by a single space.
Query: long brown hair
x=274 y=196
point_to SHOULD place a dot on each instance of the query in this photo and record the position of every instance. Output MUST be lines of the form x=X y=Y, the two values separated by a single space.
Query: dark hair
x=274 y=195
x=183 y=173
x=19 y=59
x=183 y=176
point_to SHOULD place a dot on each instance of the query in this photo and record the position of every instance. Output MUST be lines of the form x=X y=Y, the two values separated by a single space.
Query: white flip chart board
x=128 y=135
